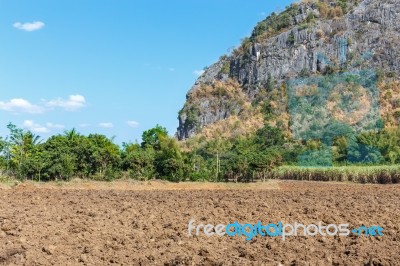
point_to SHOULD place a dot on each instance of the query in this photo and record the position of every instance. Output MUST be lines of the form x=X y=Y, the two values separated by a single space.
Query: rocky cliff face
x=307 y=39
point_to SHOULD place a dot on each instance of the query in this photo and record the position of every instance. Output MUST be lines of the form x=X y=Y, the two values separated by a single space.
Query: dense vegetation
x=61 y=157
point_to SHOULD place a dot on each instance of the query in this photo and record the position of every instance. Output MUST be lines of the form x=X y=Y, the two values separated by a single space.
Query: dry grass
x=389 y=102
x=131 y=185
x=360 y=174
x=233 y=126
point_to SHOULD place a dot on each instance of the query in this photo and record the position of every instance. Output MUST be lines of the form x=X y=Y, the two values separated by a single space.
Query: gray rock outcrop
x=368 y=36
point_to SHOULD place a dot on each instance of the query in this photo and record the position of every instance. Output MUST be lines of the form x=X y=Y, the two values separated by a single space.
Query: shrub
x=291 y=40
x=226 y=68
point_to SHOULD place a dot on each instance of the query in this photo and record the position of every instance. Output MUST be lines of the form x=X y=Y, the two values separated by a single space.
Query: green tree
x=264 y=161
x=20 y=148
x=139 y=161
x=152 y=136
x=61 y=160
x=268 y=136
x=105 y=155
x=217 y=149
x=169 y=161
x=196 y=167
x=71 y=135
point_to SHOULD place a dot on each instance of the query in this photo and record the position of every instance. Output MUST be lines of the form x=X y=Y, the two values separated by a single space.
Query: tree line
x=24 y=155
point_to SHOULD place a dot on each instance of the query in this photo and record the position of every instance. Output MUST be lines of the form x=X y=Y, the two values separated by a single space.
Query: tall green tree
x=20 y=150
x=169 y=161
x=105 y=155
x=139 y=161
x=152 y=136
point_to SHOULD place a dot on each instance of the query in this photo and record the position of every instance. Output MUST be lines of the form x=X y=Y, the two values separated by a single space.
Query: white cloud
x=106 y=125
x=36 y=128
x=198 y=72
x=84 y=125
x=133 y=124
x=55 y=126
x=74 y=102
x=19 y=105
x=29 y=26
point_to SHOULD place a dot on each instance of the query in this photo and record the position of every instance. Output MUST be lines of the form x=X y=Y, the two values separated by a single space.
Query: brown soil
x=132 y=224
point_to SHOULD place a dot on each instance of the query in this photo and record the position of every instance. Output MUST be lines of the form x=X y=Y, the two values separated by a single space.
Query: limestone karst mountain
x=308 y=39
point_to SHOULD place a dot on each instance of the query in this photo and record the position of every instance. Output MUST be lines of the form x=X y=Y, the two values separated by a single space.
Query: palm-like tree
x=30 y=140
x=71 y=134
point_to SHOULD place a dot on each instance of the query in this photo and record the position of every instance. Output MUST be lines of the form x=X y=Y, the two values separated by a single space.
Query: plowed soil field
x=147 y=223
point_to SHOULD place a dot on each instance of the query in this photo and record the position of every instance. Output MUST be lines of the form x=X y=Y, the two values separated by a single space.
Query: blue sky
x=115 y=67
